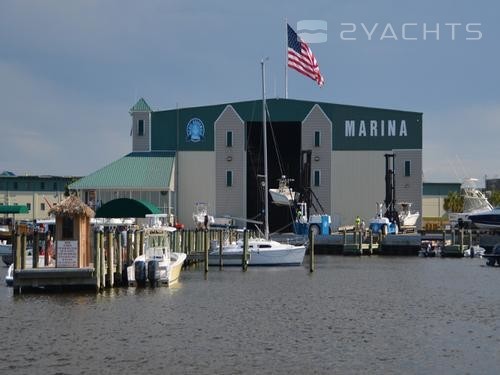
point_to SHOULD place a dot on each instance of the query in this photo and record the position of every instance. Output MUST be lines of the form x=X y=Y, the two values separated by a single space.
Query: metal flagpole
x=286 y=58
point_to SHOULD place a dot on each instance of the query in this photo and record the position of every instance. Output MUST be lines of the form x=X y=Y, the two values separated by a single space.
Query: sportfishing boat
x=283 y=195
x=406 y=217
x=201 y=217
x=158 y=264
x=261 y=251
x=381 y=224
x=475 y=202
x=486 y=220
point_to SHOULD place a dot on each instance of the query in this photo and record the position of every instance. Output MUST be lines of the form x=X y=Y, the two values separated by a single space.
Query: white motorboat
x=158 y=264
x=201 y=218
x=261 y=251
x=406 y=217
x=283 y=195
x=475 y=202
x=487 y=219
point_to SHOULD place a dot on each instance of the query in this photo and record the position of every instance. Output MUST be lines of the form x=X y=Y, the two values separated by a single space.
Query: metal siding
x=140 y=143
x=409 y=189
x=357 y=184
x=316 y=120
x=196 y=183
x=230 y=200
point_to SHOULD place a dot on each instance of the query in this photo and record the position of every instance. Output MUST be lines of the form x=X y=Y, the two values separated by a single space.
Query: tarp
x=14 y=209
x=126 y=207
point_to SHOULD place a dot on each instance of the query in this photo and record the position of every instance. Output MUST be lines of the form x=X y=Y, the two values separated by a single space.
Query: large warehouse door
x=283 y=138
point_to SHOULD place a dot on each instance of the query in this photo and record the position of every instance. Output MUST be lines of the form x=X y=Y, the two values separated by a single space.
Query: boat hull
x=169 y=270
x=280 y=198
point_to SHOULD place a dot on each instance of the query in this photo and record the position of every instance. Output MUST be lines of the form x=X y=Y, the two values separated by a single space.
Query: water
x=369 y=315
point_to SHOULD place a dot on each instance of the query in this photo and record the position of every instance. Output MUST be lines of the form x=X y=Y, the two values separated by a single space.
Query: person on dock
x=358 y=223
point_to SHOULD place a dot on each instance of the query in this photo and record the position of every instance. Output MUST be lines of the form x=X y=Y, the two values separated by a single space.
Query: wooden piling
x=311 y=251
x=46 y=252
x=244 y=260
x=129 y=248
x=97 y=259
x=221 y=243
x=109 y=251
x=361 y=242
x=119 y=256
x=136 y=243
x=103 y=259
x=17 y=251
x=141 y=242
x=370 y=234
x=461 y=240
x=206 y=260
x=36 y=254
x=23 y=251
x=344 y=237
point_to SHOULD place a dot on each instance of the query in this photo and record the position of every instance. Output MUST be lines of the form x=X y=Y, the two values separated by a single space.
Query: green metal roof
x=125 y=207
x=135 y=171
x=440 y=188
x=16 y=209
x=140 y=106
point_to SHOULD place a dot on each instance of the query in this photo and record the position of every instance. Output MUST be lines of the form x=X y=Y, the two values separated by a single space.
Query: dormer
x=141 y=126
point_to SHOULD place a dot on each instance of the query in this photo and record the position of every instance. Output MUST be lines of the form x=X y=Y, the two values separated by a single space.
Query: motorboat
x=157 y=264
x=261 y=252
x=474 y=251
x=201 y=218
x=486 y=220
x=406 y=217
x=475 y=202
x=283 y=195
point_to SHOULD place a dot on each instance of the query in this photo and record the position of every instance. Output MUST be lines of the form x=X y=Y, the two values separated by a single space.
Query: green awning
x=14 y=209
x=125 y=207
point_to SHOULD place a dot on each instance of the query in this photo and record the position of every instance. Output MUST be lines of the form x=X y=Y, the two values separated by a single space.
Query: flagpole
x=286 y=58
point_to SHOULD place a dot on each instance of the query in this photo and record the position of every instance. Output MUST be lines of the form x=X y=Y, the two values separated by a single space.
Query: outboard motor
x=140 y=273
x=153 y=272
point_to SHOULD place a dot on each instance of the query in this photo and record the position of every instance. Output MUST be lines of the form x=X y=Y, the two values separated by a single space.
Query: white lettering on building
x=381 y=128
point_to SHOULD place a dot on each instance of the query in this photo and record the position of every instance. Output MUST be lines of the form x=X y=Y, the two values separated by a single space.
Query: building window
x=229 y=139
x=67 y=228
x=317 y=138
x=42 y=185
x=15 y=186
x=317 y=178
x=140 y=128
x=229 y=178
x=28 y=205
x=407 y=168
x=42 y=206
x=54 y=186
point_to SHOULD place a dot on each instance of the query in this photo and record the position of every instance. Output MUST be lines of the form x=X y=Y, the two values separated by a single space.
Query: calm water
x=367 y=315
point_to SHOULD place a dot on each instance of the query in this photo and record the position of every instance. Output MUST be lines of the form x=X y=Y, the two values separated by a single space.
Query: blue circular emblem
x=195 y=130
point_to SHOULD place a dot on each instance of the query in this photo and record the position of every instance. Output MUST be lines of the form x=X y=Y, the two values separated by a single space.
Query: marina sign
x=374 y=128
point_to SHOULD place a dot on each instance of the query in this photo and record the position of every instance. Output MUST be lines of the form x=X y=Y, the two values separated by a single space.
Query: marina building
x=213 y=154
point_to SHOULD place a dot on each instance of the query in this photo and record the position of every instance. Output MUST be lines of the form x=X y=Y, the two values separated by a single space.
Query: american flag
x=301 y=58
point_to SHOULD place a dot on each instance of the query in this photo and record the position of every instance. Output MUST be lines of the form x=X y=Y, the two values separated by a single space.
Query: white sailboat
x=261 y=251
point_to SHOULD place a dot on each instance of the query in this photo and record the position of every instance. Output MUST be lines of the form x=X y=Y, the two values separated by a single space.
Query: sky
x=71 y=70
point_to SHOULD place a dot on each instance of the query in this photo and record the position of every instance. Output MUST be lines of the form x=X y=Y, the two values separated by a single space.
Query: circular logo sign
x=195 y=130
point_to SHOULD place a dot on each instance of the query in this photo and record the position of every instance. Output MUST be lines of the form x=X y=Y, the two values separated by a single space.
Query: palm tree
x=454 y=202
x=495 y=198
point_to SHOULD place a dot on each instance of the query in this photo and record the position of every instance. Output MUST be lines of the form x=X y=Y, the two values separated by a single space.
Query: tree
x=454 y=202
x=495 y=198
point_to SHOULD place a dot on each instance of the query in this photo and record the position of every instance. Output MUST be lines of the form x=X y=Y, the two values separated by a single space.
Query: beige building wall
x=409 y=188
x=230 y=200
x=358 y=183
x=196 y=183
x=432 y=206
x=317 y=121
x=39 y=203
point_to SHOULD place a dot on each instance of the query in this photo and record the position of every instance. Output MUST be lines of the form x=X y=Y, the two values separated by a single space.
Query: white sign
x=67 y=254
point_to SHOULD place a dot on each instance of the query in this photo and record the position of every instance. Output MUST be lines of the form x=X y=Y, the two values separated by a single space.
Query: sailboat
x=261 y=251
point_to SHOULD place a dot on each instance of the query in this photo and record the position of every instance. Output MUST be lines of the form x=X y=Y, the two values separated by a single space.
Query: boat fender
x=153 y=272
x=140 y=272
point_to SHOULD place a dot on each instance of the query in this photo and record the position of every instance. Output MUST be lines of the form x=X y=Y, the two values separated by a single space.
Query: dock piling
x=109 y=248
x=311 y=251
x=23 y=251
x=220 y=249
x=97 y=260
x=36 y=254
x=244 y=261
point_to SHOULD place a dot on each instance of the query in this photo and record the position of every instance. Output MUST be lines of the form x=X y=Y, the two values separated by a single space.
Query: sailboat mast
x=264 y=134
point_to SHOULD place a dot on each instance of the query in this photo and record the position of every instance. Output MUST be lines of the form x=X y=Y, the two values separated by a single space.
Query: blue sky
x=70 y=71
